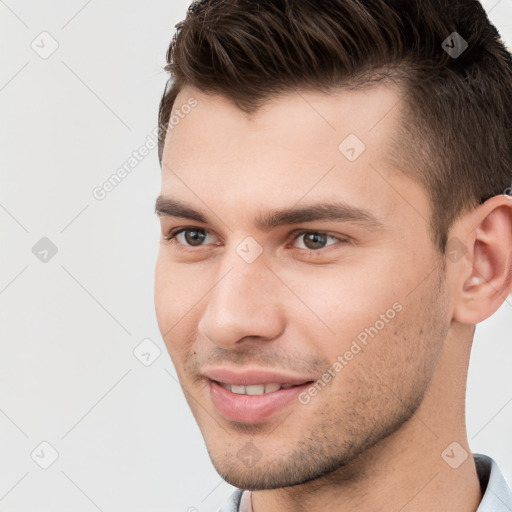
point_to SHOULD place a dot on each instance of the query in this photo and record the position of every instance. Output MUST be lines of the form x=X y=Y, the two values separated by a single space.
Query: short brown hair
x=456 y=132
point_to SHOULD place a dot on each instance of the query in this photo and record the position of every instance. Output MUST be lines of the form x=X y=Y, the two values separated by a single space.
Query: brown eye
x=314 y=240
x=194 y=236
x=190 y=237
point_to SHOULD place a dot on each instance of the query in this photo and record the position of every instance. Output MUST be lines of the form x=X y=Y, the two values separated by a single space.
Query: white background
x=125 y=438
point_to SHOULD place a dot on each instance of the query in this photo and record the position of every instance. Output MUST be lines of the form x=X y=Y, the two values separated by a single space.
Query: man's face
x=358 y=297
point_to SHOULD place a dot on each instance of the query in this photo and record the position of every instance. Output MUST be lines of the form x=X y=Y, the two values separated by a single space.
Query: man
x=336 y=219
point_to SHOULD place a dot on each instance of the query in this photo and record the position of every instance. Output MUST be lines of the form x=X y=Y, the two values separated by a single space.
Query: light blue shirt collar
x=497 y=495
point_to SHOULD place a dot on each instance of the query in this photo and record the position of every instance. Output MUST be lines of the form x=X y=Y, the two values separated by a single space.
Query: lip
x=252 y=408
x=252 y=377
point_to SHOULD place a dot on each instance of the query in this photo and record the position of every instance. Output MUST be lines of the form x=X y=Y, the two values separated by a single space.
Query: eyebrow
x=333 y=211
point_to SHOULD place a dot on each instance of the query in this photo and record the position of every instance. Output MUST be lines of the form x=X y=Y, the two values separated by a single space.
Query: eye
x=313 y=241
x=192 y=237
x=316 y=240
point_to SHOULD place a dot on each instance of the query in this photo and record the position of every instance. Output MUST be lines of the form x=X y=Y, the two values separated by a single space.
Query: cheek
x=179 y=296
x=347 y=299
x=173 y=298
x=162 y=297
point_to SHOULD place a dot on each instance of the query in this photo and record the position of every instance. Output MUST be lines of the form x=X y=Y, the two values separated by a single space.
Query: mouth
x=254 y=403
x=258 y=389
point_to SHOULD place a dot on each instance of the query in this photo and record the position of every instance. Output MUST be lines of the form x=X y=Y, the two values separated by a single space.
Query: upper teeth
x=256 y=389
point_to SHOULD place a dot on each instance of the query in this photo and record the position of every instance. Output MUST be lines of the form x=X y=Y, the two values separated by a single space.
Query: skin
x=372 y=439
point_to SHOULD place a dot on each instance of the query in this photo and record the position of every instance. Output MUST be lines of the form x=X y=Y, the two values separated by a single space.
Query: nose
x=244 y=303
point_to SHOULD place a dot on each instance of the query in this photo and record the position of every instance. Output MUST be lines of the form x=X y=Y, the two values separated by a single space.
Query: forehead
x=297 y=146
x=288 y=119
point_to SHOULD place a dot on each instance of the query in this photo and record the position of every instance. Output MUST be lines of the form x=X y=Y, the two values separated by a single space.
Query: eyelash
x=170 y=237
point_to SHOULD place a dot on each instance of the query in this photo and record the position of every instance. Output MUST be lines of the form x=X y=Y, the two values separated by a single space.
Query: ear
x=484 y=283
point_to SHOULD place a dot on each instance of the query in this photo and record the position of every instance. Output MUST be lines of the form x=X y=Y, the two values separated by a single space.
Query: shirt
x=497 y=496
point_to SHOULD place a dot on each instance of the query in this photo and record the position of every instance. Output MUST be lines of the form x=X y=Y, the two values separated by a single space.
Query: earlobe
x=485 y=287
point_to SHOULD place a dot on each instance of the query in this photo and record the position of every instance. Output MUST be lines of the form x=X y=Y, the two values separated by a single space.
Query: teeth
x=256 y=389
x=239 y=390
x=270 y=388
